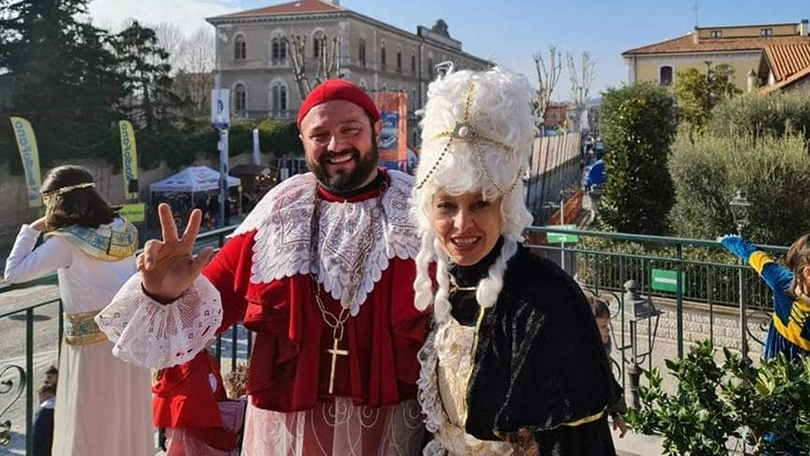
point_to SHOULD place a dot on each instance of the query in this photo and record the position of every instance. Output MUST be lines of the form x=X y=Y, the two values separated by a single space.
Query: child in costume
x=789 y=332
x=207 y=425
x=617 y=407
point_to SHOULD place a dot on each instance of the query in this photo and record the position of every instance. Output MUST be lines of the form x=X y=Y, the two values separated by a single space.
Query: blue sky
x=509 y=32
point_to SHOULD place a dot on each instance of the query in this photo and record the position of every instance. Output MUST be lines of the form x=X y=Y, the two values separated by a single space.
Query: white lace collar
x=349 y=231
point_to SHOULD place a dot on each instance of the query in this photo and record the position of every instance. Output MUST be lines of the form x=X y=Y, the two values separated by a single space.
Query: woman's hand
x=38 y=224
x=620 y=425
x=168 y=266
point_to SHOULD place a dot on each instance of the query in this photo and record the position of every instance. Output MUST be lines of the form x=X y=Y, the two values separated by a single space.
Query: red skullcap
x=338 y=89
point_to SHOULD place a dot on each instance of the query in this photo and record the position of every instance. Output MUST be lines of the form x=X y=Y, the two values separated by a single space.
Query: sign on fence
x=667 y=280
x=557 y=238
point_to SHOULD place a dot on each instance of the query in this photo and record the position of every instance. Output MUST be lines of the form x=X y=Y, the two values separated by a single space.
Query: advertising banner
x=129 y=160
x=393 y=145
x=29 y=153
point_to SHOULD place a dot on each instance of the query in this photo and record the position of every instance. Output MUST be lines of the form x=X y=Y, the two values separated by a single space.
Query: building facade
x=254 y=61
x=743 y=48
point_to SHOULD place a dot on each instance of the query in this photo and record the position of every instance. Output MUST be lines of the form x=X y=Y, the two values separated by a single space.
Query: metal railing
x=704 y=275
x=17 y=382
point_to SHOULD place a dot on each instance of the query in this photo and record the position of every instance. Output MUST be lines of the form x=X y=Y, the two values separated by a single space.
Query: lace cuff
x=150 y=334
x=428 y=386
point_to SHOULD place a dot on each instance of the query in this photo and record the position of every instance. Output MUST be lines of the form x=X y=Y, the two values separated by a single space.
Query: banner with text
x=393 y=107
x=129 y=160
x=29 y=153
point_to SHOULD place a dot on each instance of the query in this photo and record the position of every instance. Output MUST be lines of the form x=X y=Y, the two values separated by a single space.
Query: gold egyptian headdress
x=48 y=196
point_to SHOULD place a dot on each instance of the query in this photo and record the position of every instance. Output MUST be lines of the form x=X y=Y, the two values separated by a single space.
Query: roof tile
x=788 y=59
x=297 y=7
x=687 y=44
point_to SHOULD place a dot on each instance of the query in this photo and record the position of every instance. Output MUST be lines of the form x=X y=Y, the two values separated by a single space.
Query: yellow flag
x=129 y=160
x=29 y=153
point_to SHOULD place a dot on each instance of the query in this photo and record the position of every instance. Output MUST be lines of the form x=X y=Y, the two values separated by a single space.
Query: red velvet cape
x=289 y=365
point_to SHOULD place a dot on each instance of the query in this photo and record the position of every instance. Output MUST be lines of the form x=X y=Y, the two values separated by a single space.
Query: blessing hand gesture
x=168 y=266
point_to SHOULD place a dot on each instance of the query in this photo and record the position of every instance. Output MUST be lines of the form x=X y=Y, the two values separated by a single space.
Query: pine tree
x=150 y=102
x=62 y=76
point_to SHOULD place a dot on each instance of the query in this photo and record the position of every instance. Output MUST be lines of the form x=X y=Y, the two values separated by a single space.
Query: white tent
x=194 y=179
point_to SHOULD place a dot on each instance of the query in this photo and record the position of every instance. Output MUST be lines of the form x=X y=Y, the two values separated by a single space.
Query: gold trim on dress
x=81 y=329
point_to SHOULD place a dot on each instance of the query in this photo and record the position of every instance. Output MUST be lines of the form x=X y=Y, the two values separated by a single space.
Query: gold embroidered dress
x=103 y=405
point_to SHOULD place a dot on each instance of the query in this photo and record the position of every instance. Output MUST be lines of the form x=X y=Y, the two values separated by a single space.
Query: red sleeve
x=408 y=323
x=229 y=271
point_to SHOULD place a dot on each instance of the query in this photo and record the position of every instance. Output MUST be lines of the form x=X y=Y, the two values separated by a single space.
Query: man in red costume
x=322 y=271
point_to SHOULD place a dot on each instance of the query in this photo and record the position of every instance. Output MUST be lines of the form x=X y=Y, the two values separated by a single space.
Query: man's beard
x=345 y=181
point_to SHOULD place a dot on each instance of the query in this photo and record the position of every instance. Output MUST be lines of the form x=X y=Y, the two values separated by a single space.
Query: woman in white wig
x=514 y=364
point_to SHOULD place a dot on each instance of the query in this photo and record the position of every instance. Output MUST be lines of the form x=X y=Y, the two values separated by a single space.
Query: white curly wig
x=477 y=133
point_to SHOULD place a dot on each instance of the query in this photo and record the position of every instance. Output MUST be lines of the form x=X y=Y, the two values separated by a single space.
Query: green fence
x=693 y=270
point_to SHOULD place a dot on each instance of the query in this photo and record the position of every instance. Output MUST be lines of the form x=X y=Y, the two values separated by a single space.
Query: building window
x=239 y=98
x=665 y=75
x=382 y=56
x=399 y=60
x=413 y=62
x=361 y=52
x=766 y=32
x=318 y=42
x=279 y=98
x=279 y=51
x=430 y=68
x=716 y=34
x=239 y=48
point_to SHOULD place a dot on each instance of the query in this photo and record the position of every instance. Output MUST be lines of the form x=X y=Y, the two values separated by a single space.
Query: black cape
x=540 y=364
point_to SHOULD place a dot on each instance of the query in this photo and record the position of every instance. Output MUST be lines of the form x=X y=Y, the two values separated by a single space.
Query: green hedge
x=773 y=172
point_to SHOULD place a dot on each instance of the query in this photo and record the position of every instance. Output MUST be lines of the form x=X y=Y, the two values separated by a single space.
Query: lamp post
x=739 y=210
x=220 y=118
x=638 y=308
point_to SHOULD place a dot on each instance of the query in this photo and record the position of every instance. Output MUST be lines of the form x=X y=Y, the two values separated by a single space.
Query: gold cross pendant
x=334 y=351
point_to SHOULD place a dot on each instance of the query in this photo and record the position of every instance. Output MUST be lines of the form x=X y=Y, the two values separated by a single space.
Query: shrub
x=708 y=171
x=768 y=407
x=638 y=124
x=752 y=115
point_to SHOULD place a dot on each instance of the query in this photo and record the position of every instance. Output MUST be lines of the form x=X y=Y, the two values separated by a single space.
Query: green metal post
x=679 y=299
x=29 y=381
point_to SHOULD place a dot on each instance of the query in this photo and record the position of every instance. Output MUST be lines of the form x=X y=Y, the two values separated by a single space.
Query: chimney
x=752 y=80
x=336 y=2
x=695 y=35
x=803 y=27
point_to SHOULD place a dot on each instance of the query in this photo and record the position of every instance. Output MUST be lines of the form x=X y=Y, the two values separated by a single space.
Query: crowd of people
x=392 y=314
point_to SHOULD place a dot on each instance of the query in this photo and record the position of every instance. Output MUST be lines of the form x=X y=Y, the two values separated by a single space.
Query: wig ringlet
x=496 y=104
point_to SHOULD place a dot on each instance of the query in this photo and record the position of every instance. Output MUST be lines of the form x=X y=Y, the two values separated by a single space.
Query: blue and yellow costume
x=789 y=332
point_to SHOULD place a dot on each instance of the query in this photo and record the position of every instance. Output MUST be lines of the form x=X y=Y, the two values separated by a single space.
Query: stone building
x=766 y=57
x=255 y=62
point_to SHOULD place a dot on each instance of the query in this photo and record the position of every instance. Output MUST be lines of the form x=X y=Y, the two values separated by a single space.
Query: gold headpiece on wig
x=62 y=190
x=465 y=131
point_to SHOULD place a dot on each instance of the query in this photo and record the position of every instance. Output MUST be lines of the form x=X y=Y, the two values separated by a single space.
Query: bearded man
x=322 y=272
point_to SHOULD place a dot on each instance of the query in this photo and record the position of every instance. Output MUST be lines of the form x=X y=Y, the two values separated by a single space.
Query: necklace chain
x=337 y=322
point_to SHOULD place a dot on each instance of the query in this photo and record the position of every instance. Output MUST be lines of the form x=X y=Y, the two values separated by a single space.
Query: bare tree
x=173 y=41
x=327 y=60
x=581 y=83
x=296 y=45
x=547 y=76
x=195 y=62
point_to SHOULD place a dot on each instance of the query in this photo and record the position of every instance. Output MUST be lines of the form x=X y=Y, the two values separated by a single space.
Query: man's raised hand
x=168 y=266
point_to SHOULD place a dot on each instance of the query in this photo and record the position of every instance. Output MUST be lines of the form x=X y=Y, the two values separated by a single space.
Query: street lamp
x=739 y=210
x=637 y=308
